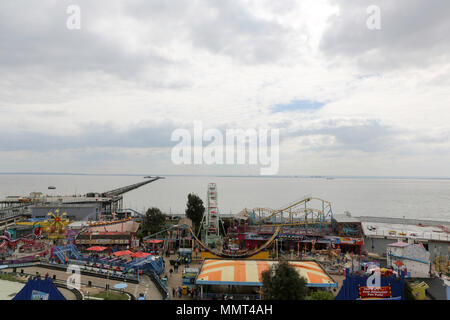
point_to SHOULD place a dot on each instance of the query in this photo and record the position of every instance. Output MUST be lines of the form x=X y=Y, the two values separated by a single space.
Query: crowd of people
x=178 y=292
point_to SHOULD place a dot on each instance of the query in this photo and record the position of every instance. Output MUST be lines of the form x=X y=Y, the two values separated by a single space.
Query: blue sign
x=39 y=295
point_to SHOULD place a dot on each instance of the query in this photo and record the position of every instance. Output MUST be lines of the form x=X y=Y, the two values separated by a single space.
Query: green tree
x=408 y=292
x=195 y=210
x=154 y=221
x=321 y=295
x=282 y=282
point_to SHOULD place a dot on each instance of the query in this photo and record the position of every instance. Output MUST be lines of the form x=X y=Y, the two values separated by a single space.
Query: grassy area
x=111 y=295
x=10 y=277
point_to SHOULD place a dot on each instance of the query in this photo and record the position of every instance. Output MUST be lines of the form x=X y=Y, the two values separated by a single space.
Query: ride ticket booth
x=189 y=275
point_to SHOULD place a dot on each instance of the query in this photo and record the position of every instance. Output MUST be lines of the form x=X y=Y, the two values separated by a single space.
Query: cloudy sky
x=348 y=100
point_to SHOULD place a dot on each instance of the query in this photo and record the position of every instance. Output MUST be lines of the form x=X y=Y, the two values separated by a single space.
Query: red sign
x=375 y=292
x=37 y=231
x=356 y=241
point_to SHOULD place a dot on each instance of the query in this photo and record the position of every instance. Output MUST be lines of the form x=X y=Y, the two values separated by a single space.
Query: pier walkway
x=122 y=190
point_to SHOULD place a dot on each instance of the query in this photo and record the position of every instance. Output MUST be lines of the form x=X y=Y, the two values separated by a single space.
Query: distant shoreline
x=330 y=177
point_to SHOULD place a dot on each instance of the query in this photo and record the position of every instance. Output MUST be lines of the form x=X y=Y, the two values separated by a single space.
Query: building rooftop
x=419 y=232
x=248 y=272
x=406 y=221
x=78 y=224
x=399 y=244
x=344 y=218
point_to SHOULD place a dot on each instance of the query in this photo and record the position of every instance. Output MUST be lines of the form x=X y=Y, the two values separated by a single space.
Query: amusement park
x=91 y=248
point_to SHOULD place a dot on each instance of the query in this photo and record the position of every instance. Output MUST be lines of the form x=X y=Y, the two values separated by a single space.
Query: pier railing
x=159 y=284
x=229 y=296
x=10 y=213
x=62 y=283
x=422 y=236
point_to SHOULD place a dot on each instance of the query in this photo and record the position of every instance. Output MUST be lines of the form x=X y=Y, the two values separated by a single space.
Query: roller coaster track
x=7 y=240
x=303 y=223
x=222 y=254
x=273 y=213
x=243 y=255
x=246 y=254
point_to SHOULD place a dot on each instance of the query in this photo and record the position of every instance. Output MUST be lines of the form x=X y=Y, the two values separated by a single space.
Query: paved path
x=69 y=295
x=145 y=285
x=175 y=280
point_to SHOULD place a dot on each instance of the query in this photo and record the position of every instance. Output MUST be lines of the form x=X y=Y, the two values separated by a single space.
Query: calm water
x=415 y=198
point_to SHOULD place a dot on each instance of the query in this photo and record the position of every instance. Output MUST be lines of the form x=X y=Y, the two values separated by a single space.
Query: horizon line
x=224 y=175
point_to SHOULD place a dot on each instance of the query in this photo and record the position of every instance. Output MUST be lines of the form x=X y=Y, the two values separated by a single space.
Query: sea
x=421 y=198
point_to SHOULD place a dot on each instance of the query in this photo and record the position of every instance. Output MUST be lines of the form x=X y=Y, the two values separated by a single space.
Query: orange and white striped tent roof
x=248 y=272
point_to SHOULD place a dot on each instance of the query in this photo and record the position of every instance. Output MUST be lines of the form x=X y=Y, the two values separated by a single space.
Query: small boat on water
x=52 y=188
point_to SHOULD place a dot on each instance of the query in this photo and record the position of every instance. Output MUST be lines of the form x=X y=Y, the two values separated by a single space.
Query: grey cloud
x=443 y=136
x=52 y=113
x=34 y=36
x=367 y=136
x=220 y=27
x=413 y=33
x=233 y=31
x=94 y=135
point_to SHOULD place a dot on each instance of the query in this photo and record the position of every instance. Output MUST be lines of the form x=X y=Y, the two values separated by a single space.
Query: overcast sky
x=105 y=99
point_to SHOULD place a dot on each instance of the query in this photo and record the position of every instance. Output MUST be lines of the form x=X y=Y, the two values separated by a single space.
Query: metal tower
x=211 y=220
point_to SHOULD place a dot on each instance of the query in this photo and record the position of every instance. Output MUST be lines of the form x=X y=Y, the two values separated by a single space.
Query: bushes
x=9 y=277
x=408 y=292
x=282 y=282
x=111 y=295
x=321 y=295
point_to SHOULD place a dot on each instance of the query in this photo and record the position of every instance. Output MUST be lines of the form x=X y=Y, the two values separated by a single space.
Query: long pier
x=122 y=190
x=108 y=202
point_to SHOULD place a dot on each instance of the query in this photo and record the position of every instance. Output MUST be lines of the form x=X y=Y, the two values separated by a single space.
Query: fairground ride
x=295 y=213
x=7 y=241
x=300 y=214
x=209 y=231
x=54 y=227
x=307 y=213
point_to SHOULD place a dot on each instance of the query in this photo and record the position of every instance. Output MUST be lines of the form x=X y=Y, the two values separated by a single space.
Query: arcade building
x=344 y=233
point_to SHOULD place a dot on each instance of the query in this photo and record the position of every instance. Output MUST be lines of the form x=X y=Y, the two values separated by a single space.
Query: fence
x=159 y=285
x=31 y=258
x=91 y=271
x=221 y=296
x=63 y=284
